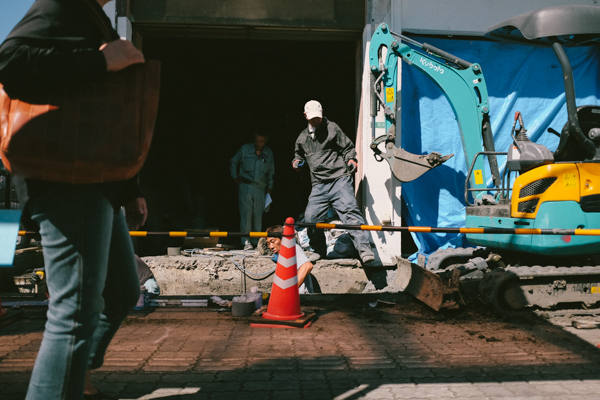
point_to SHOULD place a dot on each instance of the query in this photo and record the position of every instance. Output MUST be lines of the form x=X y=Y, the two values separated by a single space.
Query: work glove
x=352 y=166
x=297 y=164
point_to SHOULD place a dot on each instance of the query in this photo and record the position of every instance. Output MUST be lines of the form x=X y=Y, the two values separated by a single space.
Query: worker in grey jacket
x=252 y=169
x=332 y=161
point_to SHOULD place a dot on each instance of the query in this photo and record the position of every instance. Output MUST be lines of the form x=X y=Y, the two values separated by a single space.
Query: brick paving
x=351 y=352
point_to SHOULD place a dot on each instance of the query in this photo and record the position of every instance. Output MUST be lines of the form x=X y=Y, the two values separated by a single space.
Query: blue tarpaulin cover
x=519 y=78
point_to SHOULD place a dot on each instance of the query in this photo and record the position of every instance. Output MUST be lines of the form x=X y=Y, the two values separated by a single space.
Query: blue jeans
x=338 y=194
x=92 y=281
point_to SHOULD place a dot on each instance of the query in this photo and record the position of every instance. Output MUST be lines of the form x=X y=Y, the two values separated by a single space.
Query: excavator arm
x=463 y=85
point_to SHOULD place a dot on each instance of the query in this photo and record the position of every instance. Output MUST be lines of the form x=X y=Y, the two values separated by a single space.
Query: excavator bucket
x=435 y=290
x=407 y=166
x=424 y=285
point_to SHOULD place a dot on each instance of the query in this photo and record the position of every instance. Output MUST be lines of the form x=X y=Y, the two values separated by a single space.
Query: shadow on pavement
x=352 y=351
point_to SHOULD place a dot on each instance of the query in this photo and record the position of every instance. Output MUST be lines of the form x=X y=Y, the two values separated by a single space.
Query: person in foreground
x=302 y=263
x=88 y=254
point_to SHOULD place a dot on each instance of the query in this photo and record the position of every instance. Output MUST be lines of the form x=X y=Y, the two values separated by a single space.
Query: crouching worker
x=303 y=264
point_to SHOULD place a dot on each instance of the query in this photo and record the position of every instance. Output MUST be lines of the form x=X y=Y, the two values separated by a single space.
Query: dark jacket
x=57 y=43
x=327 y=154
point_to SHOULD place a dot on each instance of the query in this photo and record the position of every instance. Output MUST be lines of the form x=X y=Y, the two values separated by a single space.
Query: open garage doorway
x=215 y=93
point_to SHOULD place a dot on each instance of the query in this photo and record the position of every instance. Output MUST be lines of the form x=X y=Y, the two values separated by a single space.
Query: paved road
x=351 y=352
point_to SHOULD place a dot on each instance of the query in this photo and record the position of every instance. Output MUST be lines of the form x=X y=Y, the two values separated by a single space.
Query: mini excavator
x=550 y=190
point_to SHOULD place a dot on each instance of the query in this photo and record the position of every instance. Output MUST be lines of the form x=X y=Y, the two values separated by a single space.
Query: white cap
x=313 y=109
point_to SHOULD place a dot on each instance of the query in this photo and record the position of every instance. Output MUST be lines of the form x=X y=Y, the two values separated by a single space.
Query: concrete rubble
x=217 y=273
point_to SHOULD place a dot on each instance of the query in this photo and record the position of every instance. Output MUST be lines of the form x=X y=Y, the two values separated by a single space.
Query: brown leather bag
x=89 y=133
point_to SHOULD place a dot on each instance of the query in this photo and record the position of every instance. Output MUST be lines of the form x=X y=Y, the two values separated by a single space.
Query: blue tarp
x=519 y=78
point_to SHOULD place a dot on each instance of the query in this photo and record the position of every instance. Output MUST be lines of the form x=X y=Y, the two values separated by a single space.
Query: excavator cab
x=551 y=190
x=559 y=27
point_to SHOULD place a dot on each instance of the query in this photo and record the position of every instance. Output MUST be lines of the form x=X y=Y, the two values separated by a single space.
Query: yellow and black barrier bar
x=429 y=229
x=415 y=229
x=206 y=234
x=191 y=234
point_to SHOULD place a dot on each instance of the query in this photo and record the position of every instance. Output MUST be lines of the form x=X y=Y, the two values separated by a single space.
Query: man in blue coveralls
x=332 y=161
x=252 y=169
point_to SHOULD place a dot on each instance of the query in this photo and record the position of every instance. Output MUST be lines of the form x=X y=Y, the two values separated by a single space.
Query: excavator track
x=517 y=288
x=508 y=282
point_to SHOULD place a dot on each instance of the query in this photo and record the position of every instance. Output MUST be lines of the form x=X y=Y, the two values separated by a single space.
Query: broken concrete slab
x=215 y=274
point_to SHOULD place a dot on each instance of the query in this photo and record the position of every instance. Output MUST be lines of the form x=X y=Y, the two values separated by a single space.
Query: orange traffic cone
x=284 y=303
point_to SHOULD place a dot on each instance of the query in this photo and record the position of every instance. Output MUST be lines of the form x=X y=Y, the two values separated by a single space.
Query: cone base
x=267 y=315
x=275 y=325
x=304 y=322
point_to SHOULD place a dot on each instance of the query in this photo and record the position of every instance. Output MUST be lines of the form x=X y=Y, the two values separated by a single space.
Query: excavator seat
x=568 y=148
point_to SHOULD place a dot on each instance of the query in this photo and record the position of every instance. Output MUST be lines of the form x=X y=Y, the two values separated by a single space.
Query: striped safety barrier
x=384 y=228
x=189 y=234
x=429 y=229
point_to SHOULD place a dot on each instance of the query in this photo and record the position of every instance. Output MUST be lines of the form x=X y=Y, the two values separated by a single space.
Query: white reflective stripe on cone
x=286 y=262
x=289 y=243
x=284 y=284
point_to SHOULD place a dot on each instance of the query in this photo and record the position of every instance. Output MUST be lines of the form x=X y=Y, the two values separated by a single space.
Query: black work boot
x=317 y=241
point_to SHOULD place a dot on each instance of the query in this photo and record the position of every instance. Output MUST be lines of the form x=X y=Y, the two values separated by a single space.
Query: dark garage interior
x=214 y=94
